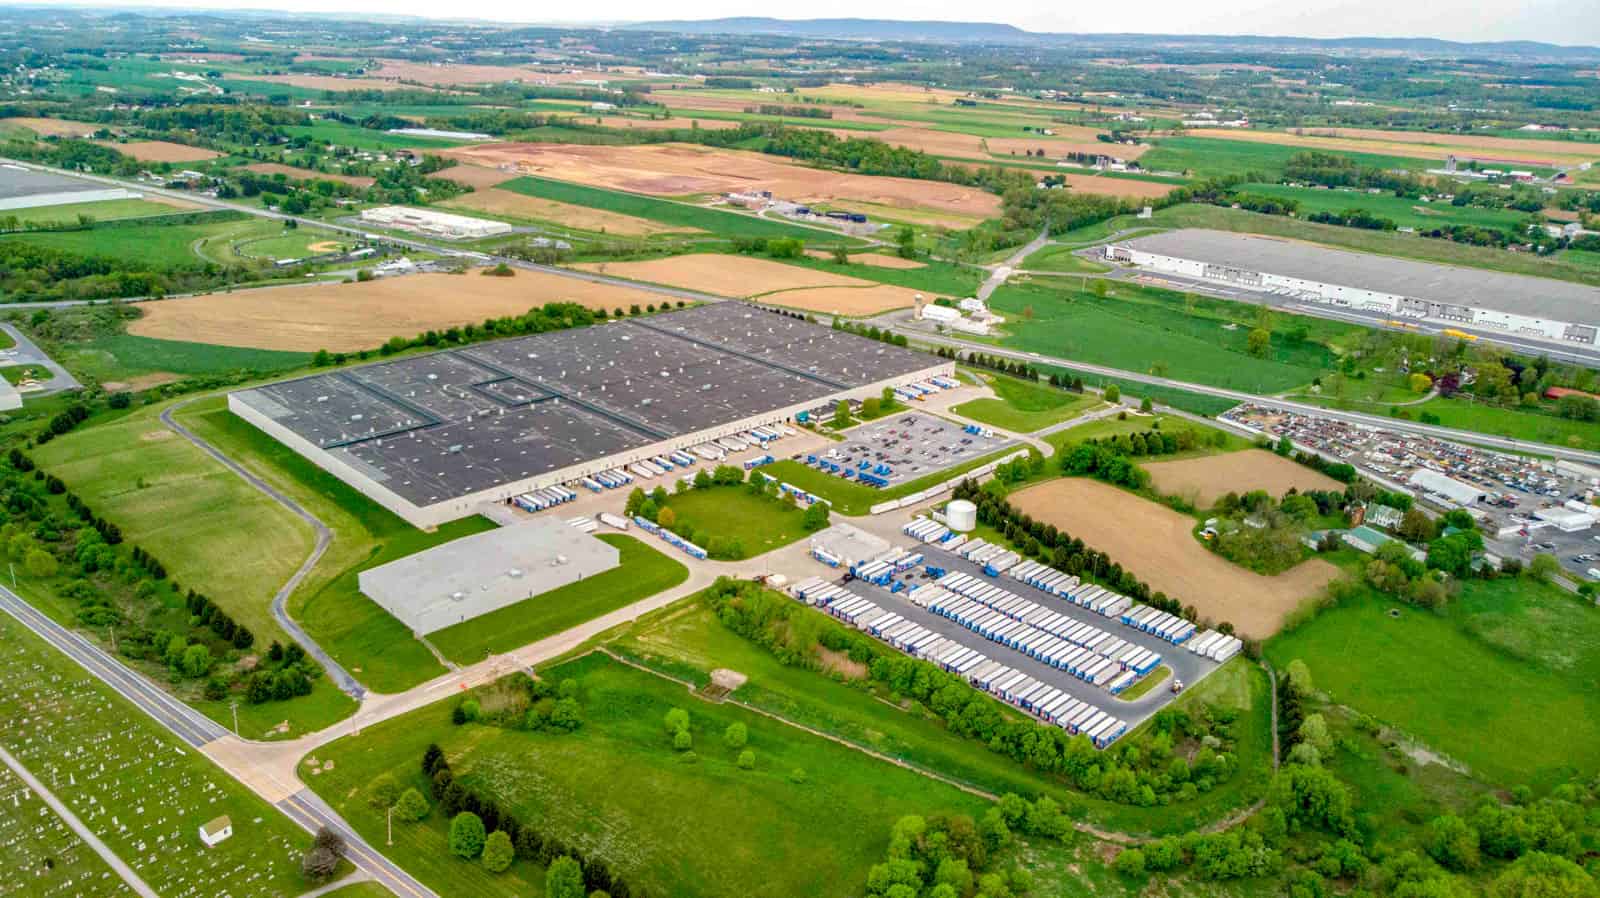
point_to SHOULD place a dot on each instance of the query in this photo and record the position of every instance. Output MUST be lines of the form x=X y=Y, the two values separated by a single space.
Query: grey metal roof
x=448 y=424
x=16 y=181
x=1512 y=293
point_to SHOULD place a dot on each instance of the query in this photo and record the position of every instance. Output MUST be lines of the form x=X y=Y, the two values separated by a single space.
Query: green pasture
x=1023 y=407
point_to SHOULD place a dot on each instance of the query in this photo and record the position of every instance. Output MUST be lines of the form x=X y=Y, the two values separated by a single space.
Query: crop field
x=681 y=169
x=349 y=317
x=477 y=177
x=1158 y=545
x=1022 y=407
x=644 y=571
x=134 y=785
x=509 y=203
x=162 y=151
x=846 y=301
x=125 y=361
x=1218 y=156
x=676 y=215
x=321 y=83
x=732 y=833
x=872 y=260
x=366 y=138
x=1202 y=481
x=738 y=276
x=1509 y=656
x=54 y=127
x=1144 y=330
x=1403 y=212
x=1421 y=144
x=367 y=640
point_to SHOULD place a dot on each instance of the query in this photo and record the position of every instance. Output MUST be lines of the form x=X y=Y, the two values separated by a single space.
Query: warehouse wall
x=431 y=516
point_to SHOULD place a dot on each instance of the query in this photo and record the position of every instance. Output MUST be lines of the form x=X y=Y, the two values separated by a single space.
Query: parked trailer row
x=613 y=479
x=1214 y=645
x=930 y=531
x=1156 y=622
x=612 y=520
x=711 y=452
x=758 y=461
x=670 y=538
x=1005 y=605
x=549 y=497
x=1048 y=703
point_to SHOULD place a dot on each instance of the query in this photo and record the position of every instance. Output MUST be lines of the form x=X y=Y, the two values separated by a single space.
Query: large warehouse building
x=433 y=437
x=1516 y=304
x=434 y=223
x=22 y=187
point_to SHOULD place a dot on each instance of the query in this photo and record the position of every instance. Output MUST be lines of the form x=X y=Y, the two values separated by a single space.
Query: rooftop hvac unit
x=323 y=398
x=454 y=449
x=515 y=572
x=561 y=559
x=458 y=596
x=433 y=377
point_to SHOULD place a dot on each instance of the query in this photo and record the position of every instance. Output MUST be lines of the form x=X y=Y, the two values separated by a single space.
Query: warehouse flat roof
x=435 y=427
x=16 y=181
x=1513 y=293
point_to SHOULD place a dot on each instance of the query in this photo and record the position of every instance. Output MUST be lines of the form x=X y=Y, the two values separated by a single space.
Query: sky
x=1554 y=21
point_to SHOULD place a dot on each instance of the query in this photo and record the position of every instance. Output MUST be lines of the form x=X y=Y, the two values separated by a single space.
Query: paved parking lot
x=912 y=445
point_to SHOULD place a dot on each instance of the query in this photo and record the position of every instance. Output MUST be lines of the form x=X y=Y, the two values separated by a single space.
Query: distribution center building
x=434 y=437
x=437 y=224
x=477 y=574
x=1516 y=304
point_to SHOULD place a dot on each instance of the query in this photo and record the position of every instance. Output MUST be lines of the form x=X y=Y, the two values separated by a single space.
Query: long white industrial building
x=1516 y=304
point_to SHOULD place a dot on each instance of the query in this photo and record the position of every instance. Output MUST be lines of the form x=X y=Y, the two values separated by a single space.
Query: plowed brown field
x=1204 y=480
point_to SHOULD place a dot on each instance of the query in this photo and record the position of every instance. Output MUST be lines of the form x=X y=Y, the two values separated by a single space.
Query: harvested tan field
x=1487 y=145
x=1158 y=545
x=1204 y=480
x=872 y=260
x=852 y=301
x=55 y=127
x=348 y=317
x=721 y=274
x=322 y=82
x=305 y=174
x=1524 y=152
x=449 y=74
x=678 y=169
x=1060 y=145
x=506 y=202
x=1116 y=186
x=475 y=176
x=161 y=151
x=682 y=100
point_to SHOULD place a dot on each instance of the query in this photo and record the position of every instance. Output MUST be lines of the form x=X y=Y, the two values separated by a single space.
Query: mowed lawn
x=851 y=498
x=156 y=245
x=376 y=648
x=1150 y=331
x=615 y=789
x=759 y=523
x=644 y=571
x=213 y=531
x=1505 y=680
x=118 y=356
x=1023 y=407
x=1213 y=157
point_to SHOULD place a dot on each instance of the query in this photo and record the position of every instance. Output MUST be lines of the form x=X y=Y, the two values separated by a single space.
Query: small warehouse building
x=468 y=577
x=215 y=832
x=1448 y=488
x=1565 y=519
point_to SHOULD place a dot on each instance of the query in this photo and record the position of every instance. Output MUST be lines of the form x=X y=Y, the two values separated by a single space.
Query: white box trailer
x=1089 y=721
x=970 y=662
x=982 y=670
x=1227 y=650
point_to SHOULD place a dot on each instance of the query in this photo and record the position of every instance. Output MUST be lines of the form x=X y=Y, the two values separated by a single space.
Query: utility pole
x=235 y=706
x=13 y=566
x=389 y=819
x=113 y=631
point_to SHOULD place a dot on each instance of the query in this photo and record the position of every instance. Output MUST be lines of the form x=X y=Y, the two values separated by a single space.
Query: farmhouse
x=433 y=437
x=1515 y=304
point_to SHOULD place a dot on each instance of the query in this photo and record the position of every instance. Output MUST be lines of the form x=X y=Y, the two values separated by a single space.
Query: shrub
x=411 y=807
x=747 y=760
x=498 y=852
x=466 y=835
x=736 y=736
x=1130 y=862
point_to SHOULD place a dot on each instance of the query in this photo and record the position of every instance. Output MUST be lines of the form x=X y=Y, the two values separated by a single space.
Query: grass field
x=1061 y=259
x=759 y=523
x=644 y=571
x=165 y=246
x=668 y=212
x=138 y=788
x=851 y=498
x=1023 y=407
x=123 y=356
x=1508 y=657
x=1404 y=212
x=1110 y=427
x=1140 y=329
x=371 y=643
x=730 y=832
x=1466 y=414
x=357 y=137
x=1208 y=157
x=37 y=848
x=105 y=210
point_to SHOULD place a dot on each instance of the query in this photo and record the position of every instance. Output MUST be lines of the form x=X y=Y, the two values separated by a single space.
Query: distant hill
x=995 y=33
x=849 y=29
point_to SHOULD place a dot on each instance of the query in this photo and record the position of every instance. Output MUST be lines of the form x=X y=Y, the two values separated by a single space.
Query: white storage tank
x=961 y=515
